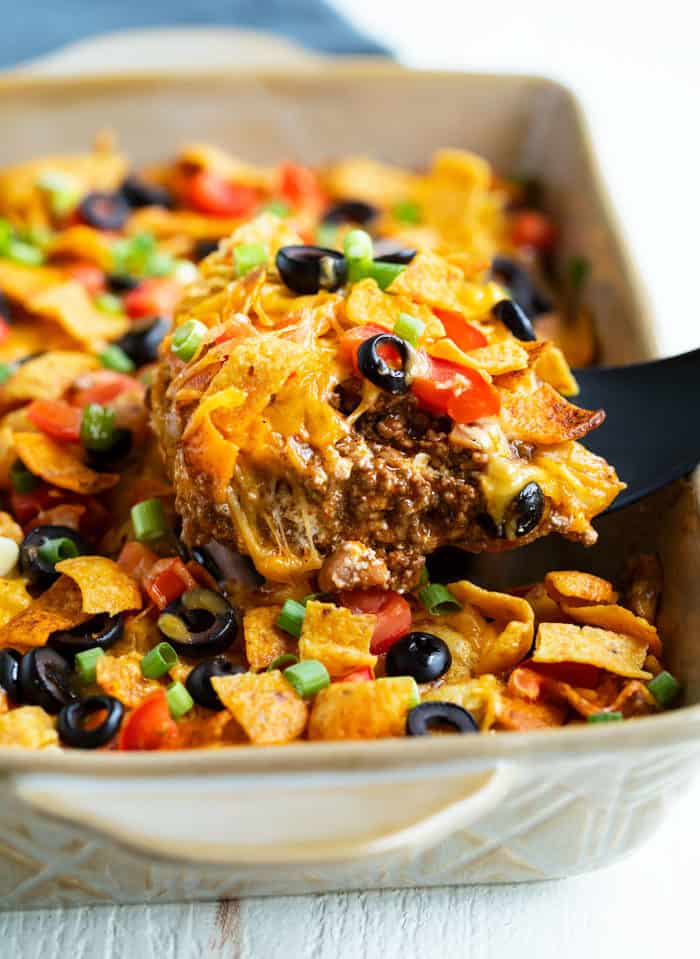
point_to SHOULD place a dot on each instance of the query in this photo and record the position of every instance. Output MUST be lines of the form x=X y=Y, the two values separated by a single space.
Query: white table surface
x=637 y=72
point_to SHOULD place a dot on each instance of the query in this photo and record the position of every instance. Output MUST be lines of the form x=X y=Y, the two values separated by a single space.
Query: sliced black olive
x=102 y=630
x=422 y=655
x=198 y=682
x=105 y=461
x=201 y=555
x=375 y=368
x=199 y=623
x=308 y=269
x=351 y=211
x=138 y=192
x=45 y=677
x=71 y=722
x=122 y=282
x=514 y=318
x=143 y=339
x=524 y=512
x=521 y=286
x=403 y=257
x=36 y=566
x=203 y=248
x=9 y=673
x=104 y=211
x=427 y=716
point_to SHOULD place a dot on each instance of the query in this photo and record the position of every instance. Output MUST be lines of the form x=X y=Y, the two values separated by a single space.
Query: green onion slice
x=148 y=520
x=286 y=659
x=307 y=677
x=22 y=480
x=424 y=578
x=97 y=430
x=384 y=274
x=246 y=256
x=52 y=551
x=278 y=207
x=158 y=661
x=578 y=269
x=179 y=700
x=291 y=617
x=86 y=664
x=409 y=328
x=406 y=212
x=665 y=688
x=25 y=253
x=327 y=235
x=6 y=371
x=438 y=600
x=114 y=358
x=358 y=245
x=610 y=717
x=108 y=303
x=187 y=339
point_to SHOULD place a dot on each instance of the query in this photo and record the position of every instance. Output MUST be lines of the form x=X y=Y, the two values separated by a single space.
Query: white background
x=637 y=71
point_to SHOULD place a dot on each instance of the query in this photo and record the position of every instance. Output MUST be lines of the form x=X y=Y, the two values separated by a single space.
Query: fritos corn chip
x=565 y=643
x=45 y=377
x=508 y=637
x=477 y=696
x=578 y=589
x=69 y=305
x=264 y=704
x=60 y=607
x=366 y=710
x=121 y=677
x=338 y=638
x=104 y=585
x=265 y=642
x=54 y=463
x=619 y=620
x=28 y=726
x=13 y=598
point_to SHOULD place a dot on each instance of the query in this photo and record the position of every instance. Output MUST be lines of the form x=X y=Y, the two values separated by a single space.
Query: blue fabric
x=30 y=29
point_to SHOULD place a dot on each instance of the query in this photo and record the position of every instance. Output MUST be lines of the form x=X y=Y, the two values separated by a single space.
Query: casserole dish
x=125 y=829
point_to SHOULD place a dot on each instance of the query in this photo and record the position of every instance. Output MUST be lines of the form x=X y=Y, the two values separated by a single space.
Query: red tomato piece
x=458 y=391
x=56 y=418
x=150 y=725
x=4 y=329
x=156 y=296
x=362 y=675
x=299 y=185
x=352 y=339
x=103 y=386
x=530 y=228
x=167 y=580
x=210 y=194
x=136 y=559
x=90 y=276
x=463 y=334
x=391 y=609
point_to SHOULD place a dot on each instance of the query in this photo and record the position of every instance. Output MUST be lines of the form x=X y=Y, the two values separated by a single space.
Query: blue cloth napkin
x=40 y=26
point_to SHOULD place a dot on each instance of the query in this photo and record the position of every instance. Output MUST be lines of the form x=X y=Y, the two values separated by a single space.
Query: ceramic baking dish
x=85 y=827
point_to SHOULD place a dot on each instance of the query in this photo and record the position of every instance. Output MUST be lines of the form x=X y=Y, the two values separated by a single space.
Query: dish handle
x=271 y=819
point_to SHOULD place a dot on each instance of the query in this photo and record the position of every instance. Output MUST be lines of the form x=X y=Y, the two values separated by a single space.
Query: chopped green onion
x=424 y=577
x=327 y=235
x=357 y=245
x=158 y=661
x=86 y=664
x=384 y=273
x=6 y=371
x=407 y=212
x=665 y=688
x=307 y=677
x=409 y=328
x=415 y=696
x=578 y=269
x=148 y=520
x=24 y=253
x=286 y=659
x=160 y=264
x=438 y=600
x=113 y=357
x=52 y=551
x=185 y=272
x=97 y=430
x=62 y=191
x=6 y=234
x=22 y=480
x=187 y=339
x=611 y=717
x=291 y=617
x=278 y=207
x=108 y=303
x=246 y=256
x=36 y=236
x=179 y=700
x=138 y=255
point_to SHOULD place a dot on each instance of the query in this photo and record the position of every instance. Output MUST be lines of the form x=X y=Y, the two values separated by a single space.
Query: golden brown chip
x=121 y=677
x=264 y=704
x=60 y=607
x=202 y=729
x=508 y=636
x=265 y=642
x=13 y=598
x=55 y=463
x=429 y=279
x=23 y=283
x=578 y=589
x=45 y=377
x=506 y=356
x=543 y=606
x=104 y=585
x=463 y=633
x=478 y=696
x=365 y=710
x=9 y=528
x=337 y=637
x=551 y=366
x=615 y=652
x=140 y=634
x=69 y=305
x=619 y=620
x=29 y=727
x=83 y=243
x=533 y=411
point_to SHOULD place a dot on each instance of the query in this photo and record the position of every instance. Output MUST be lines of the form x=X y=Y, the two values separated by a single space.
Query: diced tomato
x=150 y=725
x=167 y=580
x=103 y=386
x=362 y=675
x=530 y=228
x=56 y=418
x=299 y=186
x=156 y=296
x=575 y=674
x=391 y=609
x=90 y=276
x=459 y=391
x=352 y=339
x=136 y=559
x=210 y=194
x=25 y=506
x=463 y=334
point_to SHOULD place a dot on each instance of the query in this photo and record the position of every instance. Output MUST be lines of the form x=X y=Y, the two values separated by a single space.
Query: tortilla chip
x=23 y=283
x=431 y=280
x=121 y=677
x=360 y=178
x=265 y=642
x=614 y=652
x=45 y=377
x=579 y=589
x=70 y=306
x=167 y=224
x=366 y=710
x=618 y=620
x=140 y=635
x=29 y=337
x=104 y=585
x=264 y=704
x=533 y=411
x=9 y=528
x=506 y=356
x=13 y=598
x=551 y=366
x=543 y=606
x=478 y=696
x=60 y=607
x=83 y=242
x=54 y=463
x=505 y=640
x=202 y=729
x=28 y=726
x=337 y=637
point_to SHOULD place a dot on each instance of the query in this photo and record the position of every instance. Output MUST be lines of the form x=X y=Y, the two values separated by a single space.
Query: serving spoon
x=651 y=433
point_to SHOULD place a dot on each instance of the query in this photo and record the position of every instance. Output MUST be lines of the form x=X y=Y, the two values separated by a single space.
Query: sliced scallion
x=187 y=339
x=358 y=246
x=158 y=661
x=438 y=600
x=291 y=617
x=86 y=664
x=179 y=700
x=384 y=274
x=409 y=328
x=25 y=253
x=610 y=717
x=307 y=677
x=665 y=688
x=6 y=371
x=278 y=207
x=247 y=256
x=113 y=357
x=22 y=480
x=97 y=429
x=148 y=520
x=286 y=659
x=52 y=551
x=108 y=303
x=406 y=212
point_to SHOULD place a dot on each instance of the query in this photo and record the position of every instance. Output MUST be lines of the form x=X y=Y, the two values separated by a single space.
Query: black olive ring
x=9 y=673
x=351 y=211
x=71 y=722
x=421 y=718
x=143 y=339
x=377 y=370
x=198 y=682
x=104 y=211
x=422 y=655
x=514 y=319
x=308 y=269
x=199 y=623
x=45 y=677
x=39 y=571
x=102 y=630
x=525 y=511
